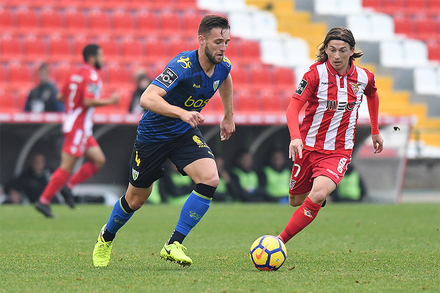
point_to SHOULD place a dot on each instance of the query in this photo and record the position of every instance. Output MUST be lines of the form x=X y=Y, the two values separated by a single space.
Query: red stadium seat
x=190 y=20
x=170 y=23
x=60 y=48
x=11 y=47
x=148 y=22
x=284 y=77
x=7 y=19
x=271 y=102
x=240 y=76
x=35 y=47
x=79 y=42
x=392 y=6
x=261 y=76
x=8 y=101
x=403 y=25
x=52 y=20
x=77 y=21
x=247 y=101
x=156 y=50
x=415 y=6
x=100 y=21
x=214 y=105
x=376 y=4
x=433 y=6
x=61 y=72
x=433 y=49
x=177 y=45
x=20 y=75
x=124 y=22
x=116 y=74
x=132 y=49
x=233 y=51
x=425 y=27
x=250 y=51
x=27 y=20
x=110 y=46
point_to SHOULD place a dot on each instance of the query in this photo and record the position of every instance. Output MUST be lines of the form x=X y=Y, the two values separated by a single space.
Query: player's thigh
x=297 y=199
x=68 y=162
x=322 y=187
x=203 y=171
x=96 y=155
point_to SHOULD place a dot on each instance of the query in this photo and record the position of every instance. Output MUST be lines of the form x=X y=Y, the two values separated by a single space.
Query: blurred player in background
x=81 y=94
x=168 y=129
x=322 y=148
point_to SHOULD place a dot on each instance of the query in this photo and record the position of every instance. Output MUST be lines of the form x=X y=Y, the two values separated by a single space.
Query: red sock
x=302 y=217
x=57 y=180
x=86 y=171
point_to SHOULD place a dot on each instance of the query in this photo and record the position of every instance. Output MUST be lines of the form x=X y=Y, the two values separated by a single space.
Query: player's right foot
x=175 y=252
x=67 y=194
x=324 y=203
x=102 y=251
x=44 y=209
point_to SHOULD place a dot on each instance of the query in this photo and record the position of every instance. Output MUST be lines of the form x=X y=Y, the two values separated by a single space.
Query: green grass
x=348 y=248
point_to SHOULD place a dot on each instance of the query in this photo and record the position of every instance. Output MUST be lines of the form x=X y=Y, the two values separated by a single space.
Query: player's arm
x=92 y=102
x=152 y=100
x=373 y=110
x=227 y=125
x=292 y=115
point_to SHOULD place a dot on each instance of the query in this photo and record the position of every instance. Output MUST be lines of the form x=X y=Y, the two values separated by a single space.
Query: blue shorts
x=147 y=159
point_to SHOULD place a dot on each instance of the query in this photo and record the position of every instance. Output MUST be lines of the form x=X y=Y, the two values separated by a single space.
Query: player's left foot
x=44 y=209
x=67 y=194
x=324 y=203
x=175 y=252
x=102 y=250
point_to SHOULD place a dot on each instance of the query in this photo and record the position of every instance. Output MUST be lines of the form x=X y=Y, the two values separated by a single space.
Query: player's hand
x=295 y=148
x=193 y=118
x=114 y=98
x=227 y=127
x=377 y=143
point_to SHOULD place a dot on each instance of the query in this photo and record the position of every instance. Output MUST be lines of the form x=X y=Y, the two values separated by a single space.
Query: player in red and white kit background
x=81 y=94
x=322 y=148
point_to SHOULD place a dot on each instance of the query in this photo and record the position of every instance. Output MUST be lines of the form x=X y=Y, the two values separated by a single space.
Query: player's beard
x=210 y=57
x=97 y=65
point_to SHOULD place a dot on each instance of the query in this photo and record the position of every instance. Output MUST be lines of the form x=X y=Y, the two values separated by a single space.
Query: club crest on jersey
x=355 y=87
x=216 y=83
x=227 y=61
x=301 y=87
x=134 y=174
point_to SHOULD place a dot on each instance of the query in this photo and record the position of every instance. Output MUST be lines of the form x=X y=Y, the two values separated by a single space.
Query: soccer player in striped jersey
x=168 y=129
x=322 y=148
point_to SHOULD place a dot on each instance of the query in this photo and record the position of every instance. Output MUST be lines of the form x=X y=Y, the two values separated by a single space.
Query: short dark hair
x=212 y=21
x=91 y=50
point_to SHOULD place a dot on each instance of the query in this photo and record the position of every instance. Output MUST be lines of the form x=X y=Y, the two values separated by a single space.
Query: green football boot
x=102 y=251
x=175 y=252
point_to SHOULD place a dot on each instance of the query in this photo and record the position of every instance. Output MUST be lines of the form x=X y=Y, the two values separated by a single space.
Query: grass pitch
x=348 y=248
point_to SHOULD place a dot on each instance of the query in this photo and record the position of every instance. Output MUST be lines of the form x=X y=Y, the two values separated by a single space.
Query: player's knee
x=99 y=162
x=318 y=196
x=295 y=201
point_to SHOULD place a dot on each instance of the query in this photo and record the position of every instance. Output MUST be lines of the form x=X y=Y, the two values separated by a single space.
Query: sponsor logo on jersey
x=301 y=87
x=341 y=165
x=333 y=173
x=197 y=86
x=199 y=142
x=185 y=63
x=167 y=77
x=216 y=83
x=340 y=106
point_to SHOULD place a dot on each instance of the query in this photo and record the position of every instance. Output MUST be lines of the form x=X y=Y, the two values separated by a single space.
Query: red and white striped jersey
x=333 y=102
x=84 y=83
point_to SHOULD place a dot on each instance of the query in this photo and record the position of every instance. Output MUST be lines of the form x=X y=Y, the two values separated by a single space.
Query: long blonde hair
x=342 y=34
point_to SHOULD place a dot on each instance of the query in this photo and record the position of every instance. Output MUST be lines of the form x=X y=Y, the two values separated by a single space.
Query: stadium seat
x=7 y=19
x=250 y=51
x=7 y=101
x=177 y=45
x=110 y=46
x=79 y=42
x=124 y=21
x=170 y=23
x=433 y=6
x=132 y=49
x=392 y=6
x=271 y=102
x=190 y=21
x=156 y=50
x=247 y=101
x=296 y=52
x=284 y=77
x=214 y=105
x=426 y=80
x=61 y=72
x=426 y=27
x=148 y=22
x=261 y=76
x=11 y=47
x=433 y=49
x=375 y=4
x=403 y=53
x=52 y=20
x=233 y=51
x=273 y=50
x=27 y=20
x=117 y=75
x=100 y=21
x=240 y=76
x=415 y=5
x=35 y=47
x=403 y=25
x=77 y=21
x=60 y=48
x=20 y=75
x=371 y=26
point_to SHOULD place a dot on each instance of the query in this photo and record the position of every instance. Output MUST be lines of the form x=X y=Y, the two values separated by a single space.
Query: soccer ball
x=268 y=253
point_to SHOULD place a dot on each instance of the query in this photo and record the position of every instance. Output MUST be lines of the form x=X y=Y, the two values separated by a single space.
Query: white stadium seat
x=403 y=53
x=337 y=7
x=371 y=26
x=427 y=80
